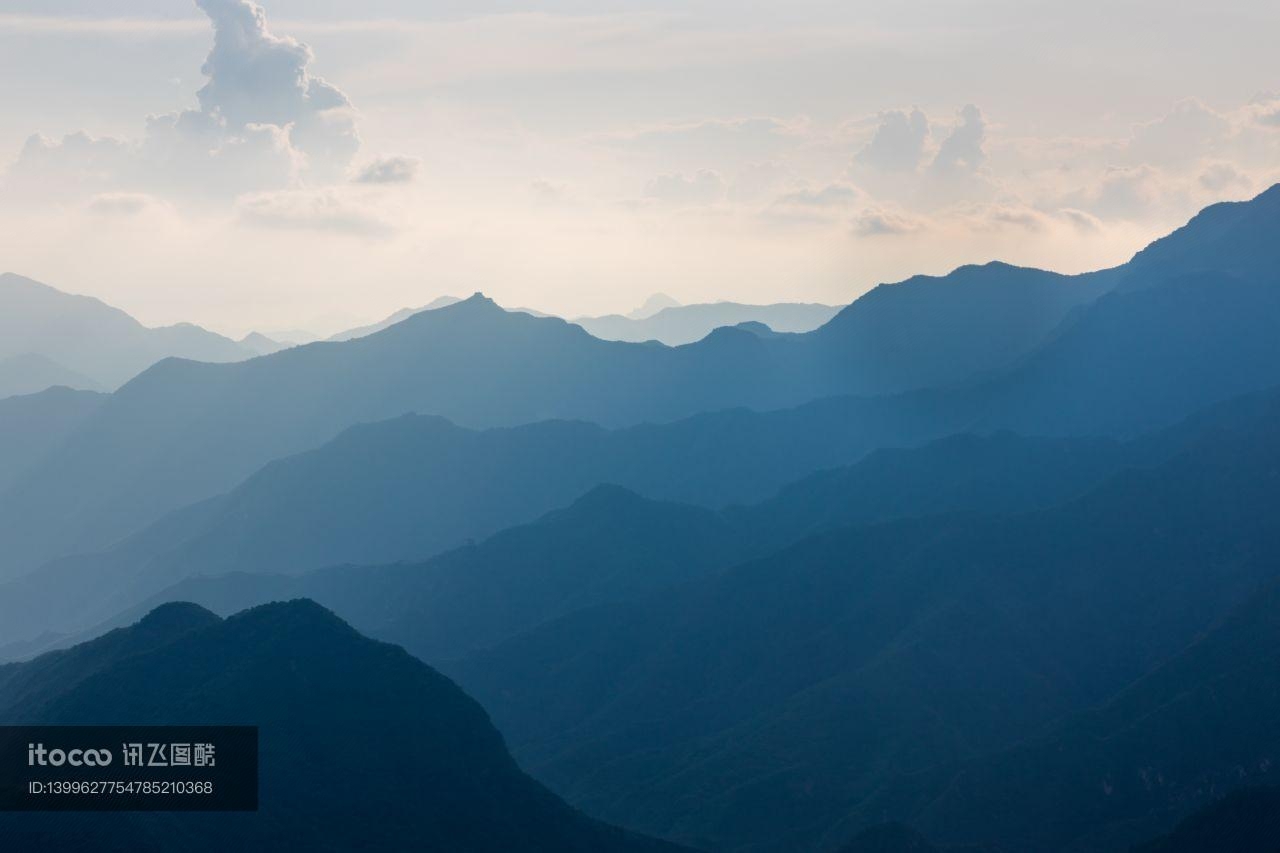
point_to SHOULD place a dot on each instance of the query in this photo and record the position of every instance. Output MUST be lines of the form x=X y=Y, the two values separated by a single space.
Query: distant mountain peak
x=655 y=303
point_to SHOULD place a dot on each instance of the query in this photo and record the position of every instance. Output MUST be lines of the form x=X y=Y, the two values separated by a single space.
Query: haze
x=200 y=164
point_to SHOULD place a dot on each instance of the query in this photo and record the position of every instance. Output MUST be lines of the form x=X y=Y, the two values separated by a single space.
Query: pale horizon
x=329 y=164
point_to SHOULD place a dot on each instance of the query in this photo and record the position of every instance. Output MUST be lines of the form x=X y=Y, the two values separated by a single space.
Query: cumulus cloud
x=390 y=170
x=1185 y=134
x=1126 y=192
x=898 y=143
x=962 y=150
x=263 y=122
x=705 y=187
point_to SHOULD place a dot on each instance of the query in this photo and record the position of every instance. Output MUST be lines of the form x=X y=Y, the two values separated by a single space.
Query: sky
x=318 y=164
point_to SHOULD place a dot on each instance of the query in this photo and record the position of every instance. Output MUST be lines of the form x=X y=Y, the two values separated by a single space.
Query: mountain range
x=1012 y=348
x=361 y=746
x=63 y=339
x=986 y=561
x=919 y=649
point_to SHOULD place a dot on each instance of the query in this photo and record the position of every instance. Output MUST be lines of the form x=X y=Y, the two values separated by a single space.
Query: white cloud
x=390 y=170
x=263 y=122
x=899 y=142
x=962 y=150
x=879 y=222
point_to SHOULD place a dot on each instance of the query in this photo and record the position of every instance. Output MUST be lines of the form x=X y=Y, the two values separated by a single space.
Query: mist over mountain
x=31 y=373
x=332 y=506
x=303 y=676
x=684 y=324
x=86 y=338
x=184 y=431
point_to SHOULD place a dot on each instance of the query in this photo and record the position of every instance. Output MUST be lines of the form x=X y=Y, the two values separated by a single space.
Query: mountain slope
x=301 y=675
x=184 y=431
x=90 y=338
x=34 y=424
x=909 y=646
x=30 y=373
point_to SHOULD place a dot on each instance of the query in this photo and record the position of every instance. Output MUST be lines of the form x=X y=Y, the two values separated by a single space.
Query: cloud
x=824 y=204
x=1224 y=178
x=962 y=150
x=1185 y=134
x=390 y=170
x=898 y=143
x=320 y=210
x=878 y=222
x=1126 y=192
x=705 y=187
x=263 y=122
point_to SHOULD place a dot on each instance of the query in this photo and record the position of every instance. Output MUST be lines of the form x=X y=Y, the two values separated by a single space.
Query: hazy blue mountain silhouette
x=1236 y=238
x=913 y=647
x=1137 y=360
x=324 y=507
x=184 y=431
x=675 y=325
x=329 y=704
x=375 y=495
x=1197 y=726
x=30 y=373
x=392 y=319
x=32 y=425
x=89 y=338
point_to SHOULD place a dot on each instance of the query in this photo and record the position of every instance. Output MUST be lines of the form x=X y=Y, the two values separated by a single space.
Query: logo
x=38 y=756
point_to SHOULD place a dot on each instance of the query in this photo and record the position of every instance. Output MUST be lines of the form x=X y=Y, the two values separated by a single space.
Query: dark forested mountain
x=1246 y=821
x=33 y=424
x=85 y=337
x=1197 y=726
x=361 y=746
x=683 y=324
x=913 y=648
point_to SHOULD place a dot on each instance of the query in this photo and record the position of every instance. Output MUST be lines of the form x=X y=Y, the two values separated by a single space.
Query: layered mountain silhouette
x=1013 y=348
x=34 y=424
x=361 y=746
x=30 y=373
x=375 y=495
x=905 y=670
x=684 y=324
x=85 y=343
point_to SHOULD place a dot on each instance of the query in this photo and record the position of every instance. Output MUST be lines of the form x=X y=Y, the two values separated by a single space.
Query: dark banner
x=128 y=768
